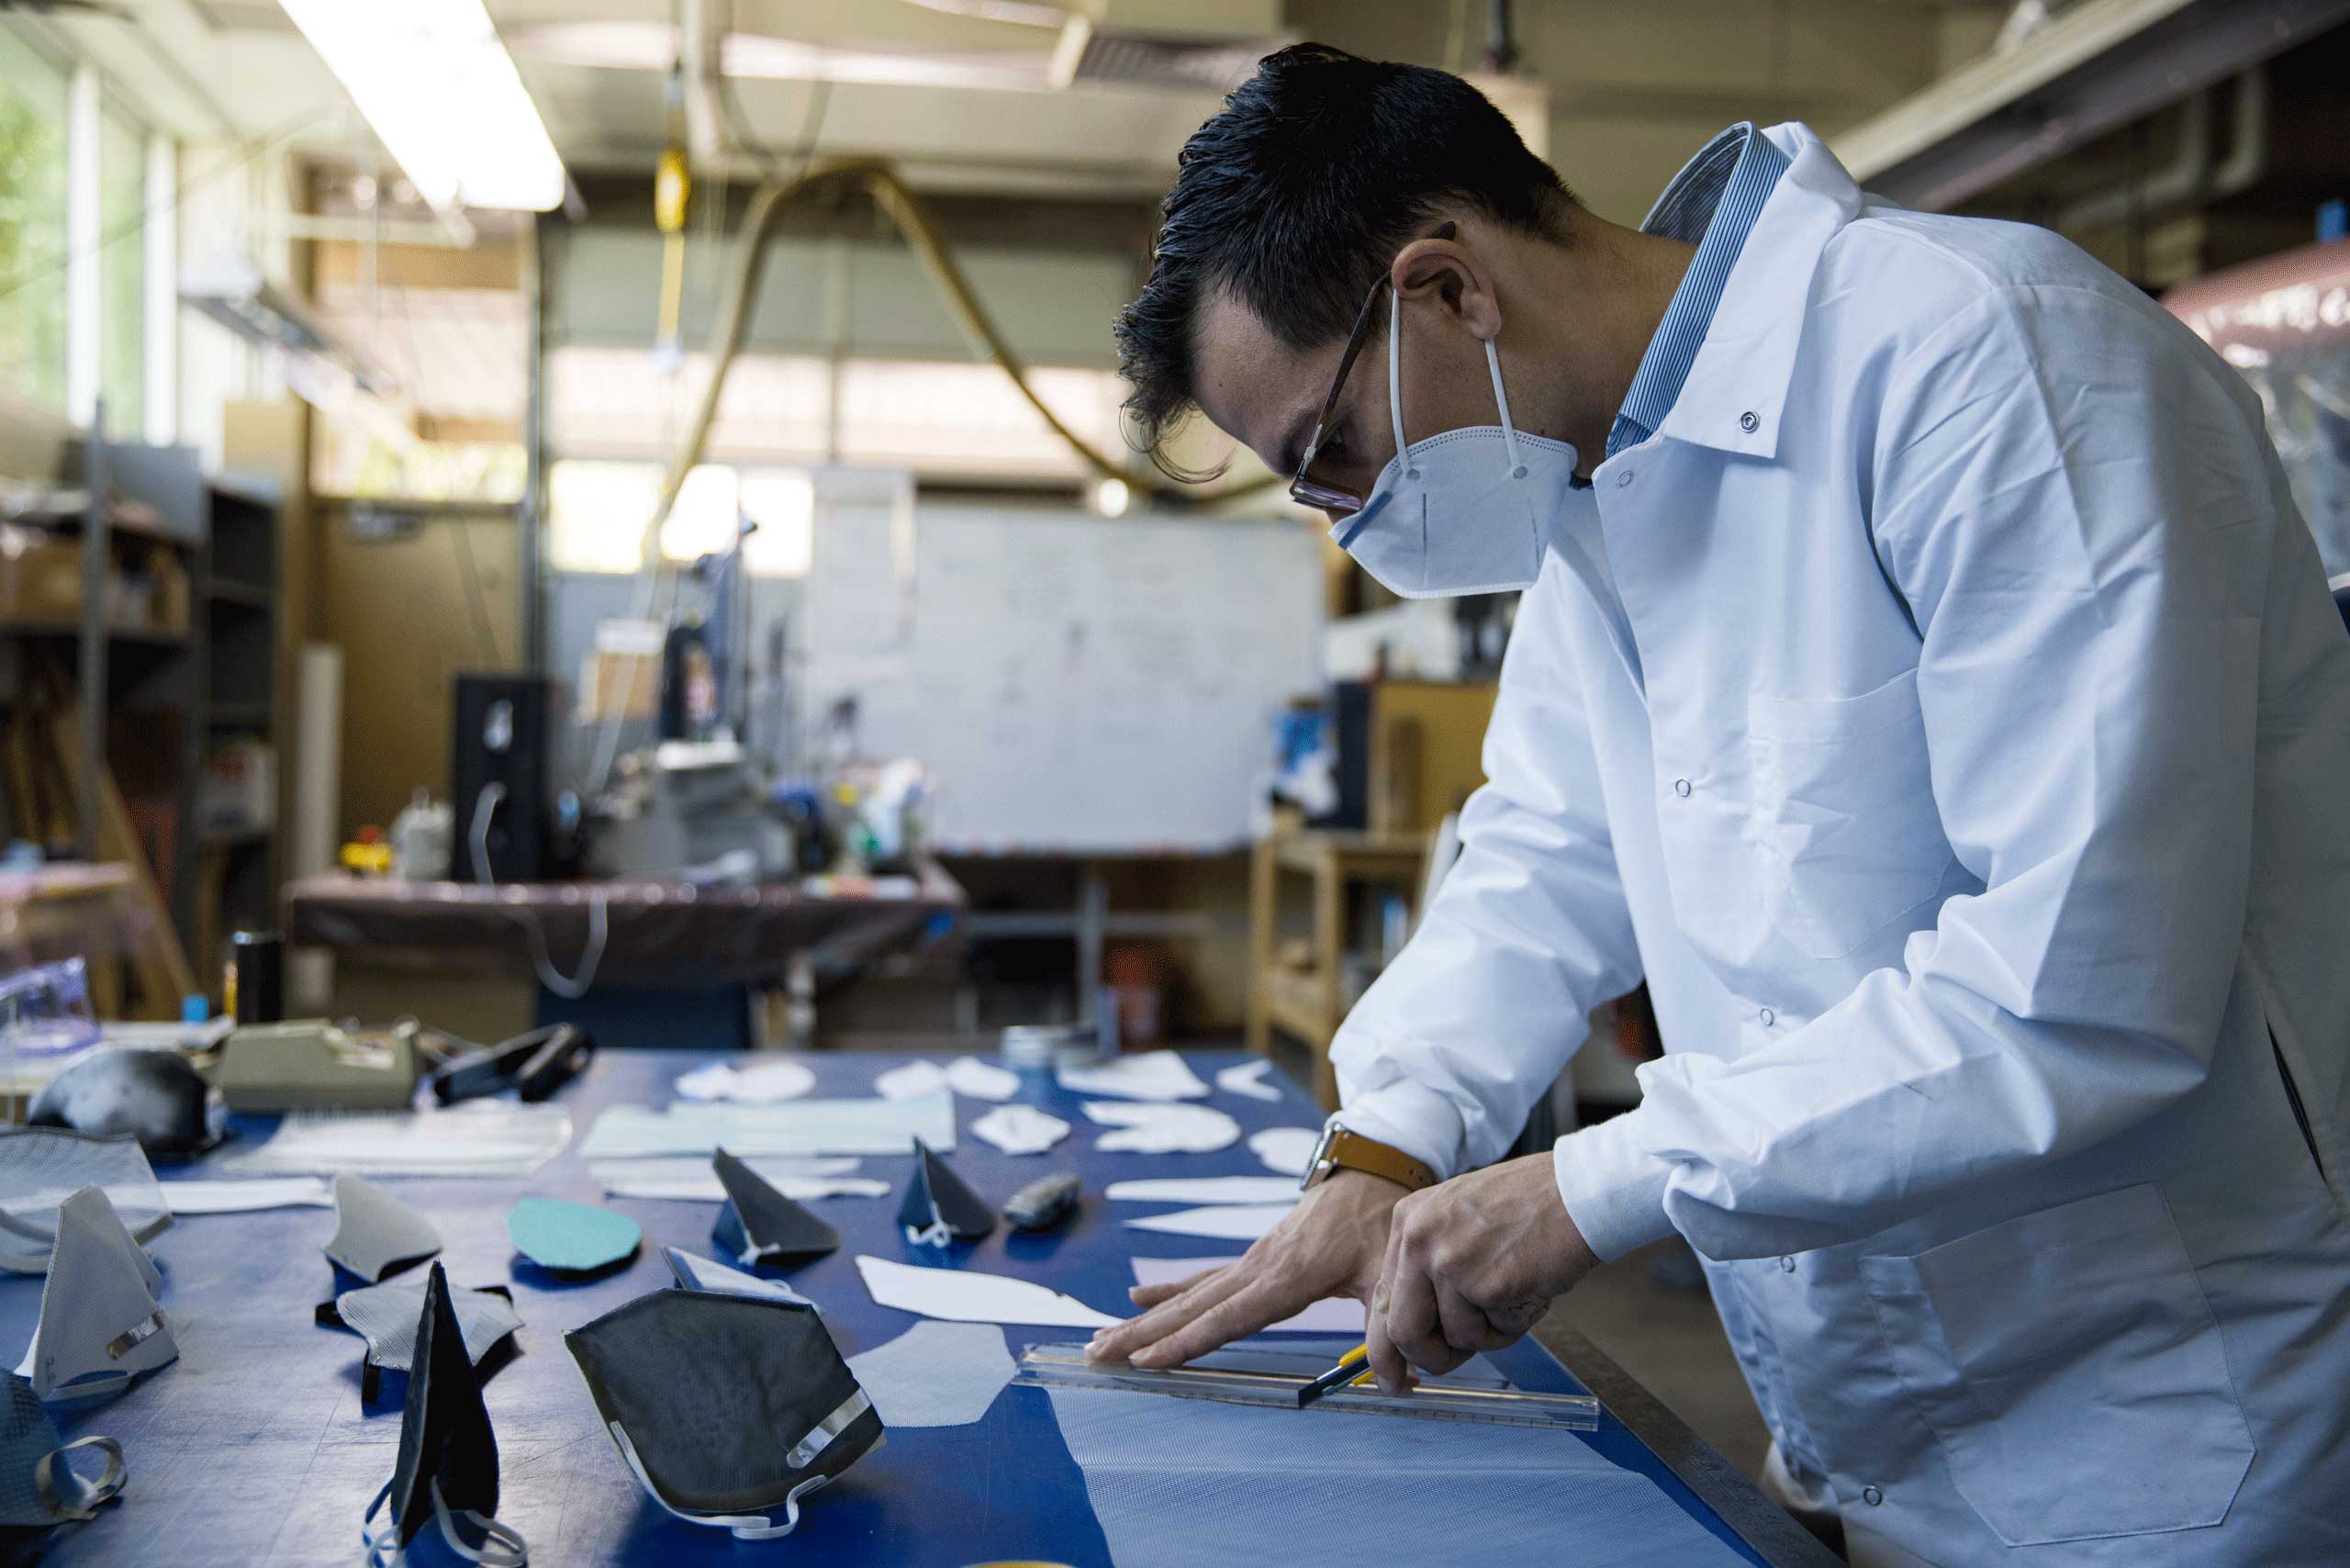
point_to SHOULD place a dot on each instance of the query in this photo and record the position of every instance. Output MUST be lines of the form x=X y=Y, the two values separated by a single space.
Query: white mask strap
x=1501 y=401
x=1395 y=378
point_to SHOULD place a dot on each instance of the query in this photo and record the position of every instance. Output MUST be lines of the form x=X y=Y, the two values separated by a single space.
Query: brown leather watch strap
x=1345 y=1150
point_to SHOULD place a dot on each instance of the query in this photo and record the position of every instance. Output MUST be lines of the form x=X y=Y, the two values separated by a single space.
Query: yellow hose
x=914 y=225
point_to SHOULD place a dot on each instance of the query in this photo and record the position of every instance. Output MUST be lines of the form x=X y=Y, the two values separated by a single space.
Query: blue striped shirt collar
x=1712 y=204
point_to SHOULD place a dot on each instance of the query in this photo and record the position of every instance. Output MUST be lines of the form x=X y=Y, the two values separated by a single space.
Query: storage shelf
x=142 y=635
x=229 y=590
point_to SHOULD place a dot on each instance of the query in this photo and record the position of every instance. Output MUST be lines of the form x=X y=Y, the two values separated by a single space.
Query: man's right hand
x=1330 y=1244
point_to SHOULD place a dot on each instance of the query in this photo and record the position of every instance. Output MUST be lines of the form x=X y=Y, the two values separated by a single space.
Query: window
x=32 y=223
x=597 y=512
x=122 y=274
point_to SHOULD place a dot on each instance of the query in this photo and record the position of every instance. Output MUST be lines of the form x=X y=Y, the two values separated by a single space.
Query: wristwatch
x=1342 y=1150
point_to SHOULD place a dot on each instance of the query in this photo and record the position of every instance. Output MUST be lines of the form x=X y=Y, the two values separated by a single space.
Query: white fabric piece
x=690 y=1180
x=964 y=1296
x=1204 y=1190
x=935 y=1374
x=1225 y=1222
x=981 y=1080
x=1331 y=1315
x=373 y=1231
x=40 y=1167
x=479 y=1138
x=1247 y=1081
x=388 y=1314
x=1147 y=1127
x=756 y=1083
x=1285 y=1149
x=913 y=1080
x=1329 y=1495
x=248 y=1196
x=100 y=1321
x=1020 y=1129
x=708 y=1274
x=1148 y=1075
x=794 y=1127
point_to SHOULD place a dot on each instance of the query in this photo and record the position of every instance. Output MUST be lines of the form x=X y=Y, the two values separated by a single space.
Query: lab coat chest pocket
x=1844 y=814
x=2071 y=1368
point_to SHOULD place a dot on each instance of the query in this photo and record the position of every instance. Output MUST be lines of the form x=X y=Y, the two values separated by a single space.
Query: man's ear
x=1448 y=274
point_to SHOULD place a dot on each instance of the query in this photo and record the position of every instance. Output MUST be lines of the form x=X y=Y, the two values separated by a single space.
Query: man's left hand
x=1472 y=1263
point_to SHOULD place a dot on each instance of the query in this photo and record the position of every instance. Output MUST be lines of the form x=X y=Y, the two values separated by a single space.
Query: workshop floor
x=1668 y=1336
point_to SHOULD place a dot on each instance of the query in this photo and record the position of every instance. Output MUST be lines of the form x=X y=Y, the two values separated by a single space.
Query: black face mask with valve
x=447 y=1468
x=728 y=1409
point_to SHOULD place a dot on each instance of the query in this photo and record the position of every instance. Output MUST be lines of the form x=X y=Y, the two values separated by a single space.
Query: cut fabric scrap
x=1285 y=1149
x=1143 y=1128
x=1248 y=1079
x=38 y=1485
x=1020 y=1129
x=794 y=1127
x=914 y=1081
x=1204 y=1190
x=40 y=1167
x=248 y=1195
x=1150 y=1075
x=1225 y=1222
x=939 y=1207
x=935 y=1374
x=446 y=1467
x=966 y=1295
x=728 y=1409
x=688 y=1179
x=101 y=1321
x=981 y=1080
x=1332 y=1315
x=387 y=1316
x=696 y=1272
x=479 y=1138
x=571 y=1239
x=377 y=1235
x=1507 y=1492
x=759 y=1224
x=756 y=1083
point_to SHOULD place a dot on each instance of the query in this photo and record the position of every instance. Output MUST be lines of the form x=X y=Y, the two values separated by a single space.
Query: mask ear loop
x=1500 y=402
x=1395 y=380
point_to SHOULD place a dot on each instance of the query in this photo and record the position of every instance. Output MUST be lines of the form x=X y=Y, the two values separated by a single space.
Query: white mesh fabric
x=42 y=1167
x=1176 y=1483
x=100 y=1322
x=386 y=1315
x=935 y=1374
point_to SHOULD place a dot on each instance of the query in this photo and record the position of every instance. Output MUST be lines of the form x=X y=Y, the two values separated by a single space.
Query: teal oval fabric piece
x=572 y=1237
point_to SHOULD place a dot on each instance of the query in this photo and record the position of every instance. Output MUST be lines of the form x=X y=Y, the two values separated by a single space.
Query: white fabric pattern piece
x=1204 y=1190
x=1020 y=1129
x=1148 y=1128
x=1151 y=1075
x=374 y=1233
x=1223 y=1222
x=1285 y=1149
x=386 y=1315
x=1247 y=1081
x=758 y=1083
x=981 y=1080
x=935 y=1374
x=914 y=1081
x=965 y=1295
x=101 y=1324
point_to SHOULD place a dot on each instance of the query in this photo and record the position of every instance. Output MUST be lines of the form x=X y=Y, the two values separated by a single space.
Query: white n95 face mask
x=1464 y=512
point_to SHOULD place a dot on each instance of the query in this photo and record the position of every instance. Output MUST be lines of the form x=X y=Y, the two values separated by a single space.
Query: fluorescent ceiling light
x=441 y=94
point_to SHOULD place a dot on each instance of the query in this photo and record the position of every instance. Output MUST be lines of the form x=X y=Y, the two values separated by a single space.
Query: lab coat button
x=1747 y=421
x=1681 y=787
x=1624 y=478
x=1786 y=1265
x=1768 y=1017
x=1872 y=1496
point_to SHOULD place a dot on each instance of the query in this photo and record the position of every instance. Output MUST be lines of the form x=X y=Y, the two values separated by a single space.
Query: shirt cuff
x=1614 y=1187
x=1417 y=1120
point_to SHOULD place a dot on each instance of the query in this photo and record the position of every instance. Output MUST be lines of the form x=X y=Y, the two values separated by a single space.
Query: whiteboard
x=1072 y=683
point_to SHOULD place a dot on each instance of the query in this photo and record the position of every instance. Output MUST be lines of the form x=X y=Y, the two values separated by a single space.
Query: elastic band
x=1500 y=402
x=91 y=1492
x=502 y=1545
x=1396 y=374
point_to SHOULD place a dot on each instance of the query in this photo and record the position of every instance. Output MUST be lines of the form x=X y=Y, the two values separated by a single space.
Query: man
x=1925 y=684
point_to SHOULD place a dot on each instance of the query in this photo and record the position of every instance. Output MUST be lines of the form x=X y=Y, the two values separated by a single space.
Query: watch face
x=1317 y=1164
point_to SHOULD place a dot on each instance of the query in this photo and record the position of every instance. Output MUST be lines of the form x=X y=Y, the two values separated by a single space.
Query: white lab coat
x=1945 y=713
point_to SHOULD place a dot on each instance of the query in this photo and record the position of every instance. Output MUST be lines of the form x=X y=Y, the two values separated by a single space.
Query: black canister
x=256 y=980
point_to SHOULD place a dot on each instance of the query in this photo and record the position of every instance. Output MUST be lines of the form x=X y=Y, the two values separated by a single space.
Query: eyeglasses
x=1304 y=489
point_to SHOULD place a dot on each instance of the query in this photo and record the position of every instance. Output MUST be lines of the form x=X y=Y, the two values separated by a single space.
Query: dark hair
x=1297 y=196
